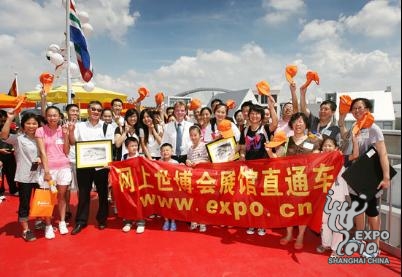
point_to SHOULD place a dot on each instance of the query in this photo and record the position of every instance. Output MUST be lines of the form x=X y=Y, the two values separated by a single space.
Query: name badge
x=308 y=145
x=59 y=141
x=327 y=132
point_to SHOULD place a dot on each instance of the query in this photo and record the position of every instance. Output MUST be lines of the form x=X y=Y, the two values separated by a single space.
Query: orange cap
x=194 y=104
x=263 y=88
x=143 y=92
x=364 y=122
x=159 y=98
x=344 y=104
x=225 y=128
x=290 y=72
x=231 y=104
x=279 y=138
x=47 y=81
x=21 y=100
x=311 y=76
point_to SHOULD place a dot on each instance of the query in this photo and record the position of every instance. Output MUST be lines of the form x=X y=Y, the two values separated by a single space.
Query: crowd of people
x=42 y=152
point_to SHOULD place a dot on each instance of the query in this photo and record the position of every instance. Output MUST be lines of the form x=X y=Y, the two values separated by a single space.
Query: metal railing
x=390 y=214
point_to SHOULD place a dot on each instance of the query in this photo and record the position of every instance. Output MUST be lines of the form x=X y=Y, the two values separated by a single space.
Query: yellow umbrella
x=59 y=95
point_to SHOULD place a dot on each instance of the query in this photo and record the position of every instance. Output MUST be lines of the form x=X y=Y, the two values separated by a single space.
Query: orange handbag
x=42 y=203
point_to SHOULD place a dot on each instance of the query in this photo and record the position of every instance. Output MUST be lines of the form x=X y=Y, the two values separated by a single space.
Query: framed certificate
x=97 y=153
x=222 y=150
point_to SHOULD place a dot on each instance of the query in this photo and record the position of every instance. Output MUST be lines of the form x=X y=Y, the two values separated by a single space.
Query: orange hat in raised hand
x=263 y=88
x=46 y=80
x=290 y=72
x=143 y=92
x=194 y=104
x=311 y=76
x=225 y=128
x=159 y=98
x=344 y=104
x=18 y=107
x=364 y=122
x=231 y=104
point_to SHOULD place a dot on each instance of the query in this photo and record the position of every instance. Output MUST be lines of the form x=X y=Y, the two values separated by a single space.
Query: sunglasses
x=96 y=110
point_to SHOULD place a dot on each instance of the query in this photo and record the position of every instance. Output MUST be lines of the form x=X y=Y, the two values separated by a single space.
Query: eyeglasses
x=96 y=110
x=358 y=108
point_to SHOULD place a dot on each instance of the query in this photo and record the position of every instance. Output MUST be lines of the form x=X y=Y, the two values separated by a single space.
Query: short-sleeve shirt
x=284 y=126
x=26 y=152
x=330 y=130
x=365 y=138
x=306 y=147
x=198 y=154
x=54 y=145
x=254 y=142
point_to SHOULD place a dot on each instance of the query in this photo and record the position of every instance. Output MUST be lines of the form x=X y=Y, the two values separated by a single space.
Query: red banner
x=269 y=193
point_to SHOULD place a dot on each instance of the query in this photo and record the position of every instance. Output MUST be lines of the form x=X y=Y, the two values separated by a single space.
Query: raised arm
x=295 y=103
x=5 y=131
x=341 y=125
x=303 y=102
x=120 y=138
x=43 y=102
x=274 y=116
x=66 y=140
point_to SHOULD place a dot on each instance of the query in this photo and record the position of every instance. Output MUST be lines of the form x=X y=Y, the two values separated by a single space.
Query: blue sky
x=177 y=45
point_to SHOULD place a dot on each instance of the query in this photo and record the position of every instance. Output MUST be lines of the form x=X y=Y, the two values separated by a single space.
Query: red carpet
x=218 y=252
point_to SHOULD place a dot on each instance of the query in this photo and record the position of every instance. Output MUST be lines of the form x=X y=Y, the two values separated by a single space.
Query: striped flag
x=13 y=91
x=80 y=44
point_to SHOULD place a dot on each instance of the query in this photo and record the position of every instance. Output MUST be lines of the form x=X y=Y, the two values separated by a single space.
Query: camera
x=6 y=146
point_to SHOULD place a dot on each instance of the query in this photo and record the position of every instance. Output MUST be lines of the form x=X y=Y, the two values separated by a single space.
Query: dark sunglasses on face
x=96 y=110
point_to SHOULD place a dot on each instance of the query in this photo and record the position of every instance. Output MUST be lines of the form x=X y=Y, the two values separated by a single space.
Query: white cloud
x=339 y=69
x=320 y=29
x=281 y=10
x=377 y=19
x=111 y=17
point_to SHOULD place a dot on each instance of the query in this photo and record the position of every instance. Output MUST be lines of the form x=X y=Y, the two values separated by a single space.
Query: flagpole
x=16 y=82
x=69 y=89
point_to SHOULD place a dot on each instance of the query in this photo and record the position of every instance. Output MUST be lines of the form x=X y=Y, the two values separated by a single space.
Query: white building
x=383 y=108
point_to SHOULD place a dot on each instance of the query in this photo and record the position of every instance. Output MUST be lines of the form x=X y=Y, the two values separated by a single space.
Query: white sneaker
x=250 y=231
x=261 y=232
x=63 y=228
x=140 y=229
x=193 y=225
x=126 y=227
x=203 y=228
x=372 y=255
x=49 y=233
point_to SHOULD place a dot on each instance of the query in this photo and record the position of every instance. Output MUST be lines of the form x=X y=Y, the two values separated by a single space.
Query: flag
x=13 y=89
x=80 y=44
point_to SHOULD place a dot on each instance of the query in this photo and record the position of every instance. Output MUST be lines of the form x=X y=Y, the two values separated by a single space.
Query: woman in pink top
x=54 y=146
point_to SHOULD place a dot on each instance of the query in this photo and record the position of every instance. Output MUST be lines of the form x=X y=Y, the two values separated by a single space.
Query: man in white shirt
x=177 y=133
x=90 y=130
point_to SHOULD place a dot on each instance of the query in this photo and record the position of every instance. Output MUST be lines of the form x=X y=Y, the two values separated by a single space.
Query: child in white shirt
x=166 y=156
x=196 y=154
